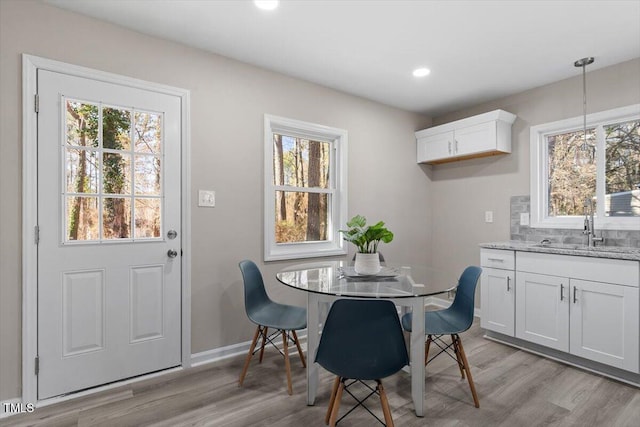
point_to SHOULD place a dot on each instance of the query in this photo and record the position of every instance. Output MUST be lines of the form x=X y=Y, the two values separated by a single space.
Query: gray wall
x=228 y=101
x=463 y=191
x=441 y=207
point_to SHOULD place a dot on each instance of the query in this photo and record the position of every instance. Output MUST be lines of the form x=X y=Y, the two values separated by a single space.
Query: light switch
x=488 y=216
x=206 y=198
x=524 y=218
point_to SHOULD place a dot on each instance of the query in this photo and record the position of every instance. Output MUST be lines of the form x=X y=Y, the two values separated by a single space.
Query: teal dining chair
x=452 y=321
x=361 y=341
x=265 y=313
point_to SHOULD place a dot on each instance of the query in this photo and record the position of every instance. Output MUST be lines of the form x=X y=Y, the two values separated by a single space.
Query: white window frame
x=539 y=170
x=337 y=209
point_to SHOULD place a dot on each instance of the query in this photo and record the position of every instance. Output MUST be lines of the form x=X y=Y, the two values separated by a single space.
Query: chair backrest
x=255 y=295
x=464 y=301
x=362 y=339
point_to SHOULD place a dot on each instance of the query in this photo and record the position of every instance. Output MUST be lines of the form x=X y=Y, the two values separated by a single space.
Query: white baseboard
x=221 y=353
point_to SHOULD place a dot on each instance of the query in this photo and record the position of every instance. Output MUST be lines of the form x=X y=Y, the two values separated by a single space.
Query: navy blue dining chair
x=452 y=321
x=361 y=340
x=266 y=314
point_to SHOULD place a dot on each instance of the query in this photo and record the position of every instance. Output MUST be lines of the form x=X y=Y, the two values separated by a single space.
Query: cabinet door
x=497 y=299
x=604 y=323
x=475 y=139
x=435 y=147
x=542 y=310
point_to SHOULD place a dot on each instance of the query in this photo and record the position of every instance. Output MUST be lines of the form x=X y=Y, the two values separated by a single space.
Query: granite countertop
x=613 y=252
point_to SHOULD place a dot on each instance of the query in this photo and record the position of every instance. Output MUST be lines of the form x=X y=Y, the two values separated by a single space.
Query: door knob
x=172 y=253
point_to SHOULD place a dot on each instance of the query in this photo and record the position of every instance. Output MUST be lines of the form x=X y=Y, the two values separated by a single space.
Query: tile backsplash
x=521 y=204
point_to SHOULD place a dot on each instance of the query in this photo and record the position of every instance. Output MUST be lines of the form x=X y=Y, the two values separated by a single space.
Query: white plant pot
x=367 y=263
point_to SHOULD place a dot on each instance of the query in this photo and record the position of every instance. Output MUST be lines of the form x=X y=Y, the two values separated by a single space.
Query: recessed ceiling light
x=421 y=72
x=266 y=4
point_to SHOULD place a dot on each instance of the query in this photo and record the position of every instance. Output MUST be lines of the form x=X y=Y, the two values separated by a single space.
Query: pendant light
x=583 y=63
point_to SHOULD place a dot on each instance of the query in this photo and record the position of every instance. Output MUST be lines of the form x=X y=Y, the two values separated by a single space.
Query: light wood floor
x=515 y=389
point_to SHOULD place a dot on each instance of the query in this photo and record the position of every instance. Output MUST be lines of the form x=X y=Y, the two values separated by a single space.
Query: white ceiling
x=476 y=50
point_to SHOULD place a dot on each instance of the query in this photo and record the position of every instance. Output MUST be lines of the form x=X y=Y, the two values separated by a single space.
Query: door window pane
x=116 y=127
x=116 y=173
x=572 y=172
x=81 y=171
x=301 y=216
x=82 y=218
x=81 y=121
x=147 y=135
x=147 y=171
x=116 y=218
x=147 y=214
x=622 y=169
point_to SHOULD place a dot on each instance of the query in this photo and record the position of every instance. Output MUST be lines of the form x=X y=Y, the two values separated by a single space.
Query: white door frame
x=30 y=65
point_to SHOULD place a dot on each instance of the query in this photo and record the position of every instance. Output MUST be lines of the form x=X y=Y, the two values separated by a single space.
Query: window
x=112 y=187
x=305 y=189
x=567 y=170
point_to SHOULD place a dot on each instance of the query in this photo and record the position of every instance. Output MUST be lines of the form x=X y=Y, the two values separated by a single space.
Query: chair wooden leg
x=334 y=390
x=295 y=337
x=388 y=420
x=285 y=345
x=336 y=404
x=468 y=371
x=248 y=359
x=455 y=339
x=264 y=341
x=426 y=349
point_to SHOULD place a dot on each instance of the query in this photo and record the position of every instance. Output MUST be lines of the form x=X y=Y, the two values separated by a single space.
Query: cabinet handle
x=496 y=259
x=508 y=283
x=456 y=145
x=575 y=300
x=561 y=292
x=449 y=144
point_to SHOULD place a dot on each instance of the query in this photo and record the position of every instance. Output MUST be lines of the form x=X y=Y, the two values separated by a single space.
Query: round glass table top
x=393 y=281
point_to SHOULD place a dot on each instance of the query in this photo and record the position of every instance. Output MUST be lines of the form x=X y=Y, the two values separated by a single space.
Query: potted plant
x=366 y=238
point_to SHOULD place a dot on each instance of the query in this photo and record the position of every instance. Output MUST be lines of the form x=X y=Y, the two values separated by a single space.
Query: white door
x=497 y=292
x=542 y=310
x=109 y=294
x=604 y=323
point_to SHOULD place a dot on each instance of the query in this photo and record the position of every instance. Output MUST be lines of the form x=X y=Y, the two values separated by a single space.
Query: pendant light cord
x=583 y=63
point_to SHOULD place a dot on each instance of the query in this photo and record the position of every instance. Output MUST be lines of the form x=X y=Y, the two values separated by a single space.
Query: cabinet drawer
x=616 y=271
x=497 y=258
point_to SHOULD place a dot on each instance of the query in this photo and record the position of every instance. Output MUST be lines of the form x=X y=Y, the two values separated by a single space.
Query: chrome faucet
x=589 y=227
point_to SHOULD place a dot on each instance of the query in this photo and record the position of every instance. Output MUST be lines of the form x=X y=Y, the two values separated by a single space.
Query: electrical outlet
x=524 y=218
x=488 y=216
x=206 y=198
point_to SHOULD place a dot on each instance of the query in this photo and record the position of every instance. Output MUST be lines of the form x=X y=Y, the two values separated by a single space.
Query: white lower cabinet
x=599 y=321
x=497 y=291
x=542 y=310
x=497 y=294
x=604 y=323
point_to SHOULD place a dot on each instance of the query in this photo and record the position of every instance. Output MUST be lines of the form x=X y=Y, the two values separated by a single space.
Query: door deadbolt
x=172 y=234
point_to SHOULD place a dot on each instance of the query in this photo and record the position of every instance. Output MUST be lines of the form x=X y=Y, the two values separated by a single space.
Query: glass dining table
x=407 y=286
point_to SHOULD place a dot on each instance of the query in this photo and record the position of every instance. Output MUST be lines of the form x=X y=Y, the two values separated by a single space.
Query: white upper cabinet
x=483 y=135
